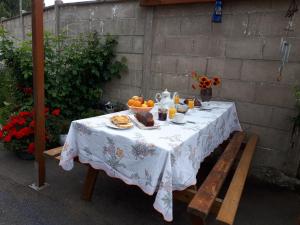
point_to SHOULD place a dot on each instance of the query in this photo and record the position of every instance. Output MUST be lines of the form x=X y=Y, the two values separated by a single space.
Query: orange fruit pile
x=137 y=101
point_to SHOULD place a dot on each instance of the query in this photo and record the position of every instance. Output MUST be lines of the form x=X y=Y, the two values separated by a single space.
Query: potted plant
x=17 y=133
x=205 y=84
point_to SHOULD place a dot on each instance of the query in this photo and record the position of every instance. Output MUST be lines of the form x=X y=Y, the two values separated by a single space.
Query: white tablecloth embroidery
x=161 y=160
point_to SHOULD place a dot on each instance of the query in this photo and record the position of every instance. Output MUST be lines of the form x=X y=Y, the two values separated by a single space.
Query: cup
x=191 y=103
x=179 y=118
x=172 y=112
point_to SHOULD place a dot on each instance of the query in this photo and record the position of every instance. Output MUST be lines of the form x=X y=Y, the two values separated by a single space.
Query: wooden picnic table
x=176 y=151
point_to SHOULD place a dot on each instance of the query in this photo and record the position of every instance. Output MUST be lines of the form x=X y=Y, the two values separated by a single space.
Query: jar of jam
x=162 y=114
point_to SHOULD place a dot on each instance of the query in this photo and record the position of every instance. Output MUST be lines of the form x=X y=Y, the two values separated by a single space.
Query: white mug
x=179 y=118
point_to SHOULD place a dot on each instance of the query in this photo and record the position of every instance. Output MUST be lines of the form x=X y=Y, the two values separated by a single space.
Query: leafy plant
x=75 y=70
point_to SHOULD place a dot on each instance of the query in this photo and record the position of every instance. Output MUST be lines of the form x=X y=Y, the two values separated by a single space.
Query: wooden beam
x=38 y=88
x=204 y=199
x=232 y=198
x=170 y=2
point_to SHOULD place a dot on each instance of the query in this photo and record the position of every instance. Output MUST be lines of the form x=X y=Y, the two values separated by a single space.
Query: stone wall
x=164 y=44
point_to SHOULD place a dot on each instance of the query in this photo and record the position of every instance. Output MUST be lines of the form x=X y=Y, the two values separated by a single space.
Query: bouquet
x=203 y=82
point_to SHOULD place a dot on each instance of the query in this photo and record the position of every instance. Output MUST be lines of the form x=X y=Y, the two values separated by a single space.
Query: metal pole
x=38 y=89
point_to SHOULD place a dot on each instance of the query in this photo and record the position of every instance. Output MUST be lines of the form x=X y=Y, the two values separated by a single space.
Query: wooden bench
x=205 y=200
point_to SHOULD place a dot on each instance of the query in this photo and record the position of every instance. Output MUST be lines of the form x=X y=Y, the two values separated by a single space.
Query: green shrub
x=75 y=70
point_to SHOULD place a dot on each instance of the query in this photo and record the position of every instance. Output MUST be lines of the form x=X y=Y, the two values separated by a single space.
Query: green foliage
x=7 y=95
x=75 y=70
x=9 y=8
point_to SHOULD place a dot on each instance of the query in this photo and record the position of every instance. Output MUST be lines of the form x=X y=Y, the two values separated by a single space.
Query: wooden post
x=38 y=88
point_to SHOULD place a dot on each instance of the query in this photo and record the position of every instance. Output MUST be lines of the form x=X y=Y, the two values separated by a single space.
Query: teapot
x=165 y=98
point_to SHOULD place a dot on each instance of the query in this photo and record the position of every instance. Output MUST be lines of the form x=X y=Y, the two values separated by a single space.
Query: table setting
x=173 y=134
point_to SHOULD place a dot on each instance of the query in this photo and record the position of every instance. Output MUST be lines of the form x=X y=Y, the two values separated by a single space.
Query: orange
x=137 y=103
x=130 y=102
x=150 y=103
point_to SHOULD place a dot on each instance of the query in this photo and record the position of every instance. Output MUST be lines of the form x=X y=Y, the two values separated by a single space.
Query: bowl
x=135 y=109
x=182 y=108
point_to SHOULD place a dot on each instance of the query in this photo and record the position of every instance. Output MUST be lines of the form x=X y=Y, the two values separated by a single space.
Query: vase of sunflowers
x=205 y=85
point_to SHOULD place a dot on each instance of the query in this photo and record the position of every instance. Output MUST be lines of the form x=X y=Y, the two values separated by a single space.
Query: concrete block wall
x=163 y=45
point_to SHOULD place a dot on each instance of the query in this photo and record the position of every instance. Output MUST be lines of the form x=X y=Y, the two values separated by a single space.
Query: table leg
x=89 y=184
x=197 y=220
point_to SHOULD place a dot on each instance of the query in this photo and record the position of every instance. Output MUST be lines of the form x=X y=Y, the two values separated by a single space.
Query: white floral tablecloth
x=160 y=160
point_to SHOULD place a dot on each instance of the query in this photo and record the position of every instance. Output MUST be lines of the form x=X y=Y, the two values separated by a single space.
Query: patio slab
x=115 y=203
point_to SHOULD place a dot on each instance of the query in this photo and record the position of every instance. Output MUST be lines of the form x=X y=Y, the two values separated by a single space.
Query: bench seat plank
x=53 y=152
x=205 y=197
x=232 y=198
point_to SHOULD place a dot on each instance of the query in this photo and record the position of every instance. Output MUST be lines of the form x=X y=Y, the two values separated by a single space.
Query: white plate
x=111 y=125
x=177 y=122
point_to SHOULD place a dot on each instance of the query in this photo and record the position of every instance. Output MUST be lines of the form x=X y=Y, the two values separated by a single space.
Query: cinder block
x=184 y=10
x=75 y=29
x=295 y=49
x=195 y=25
x=267 y=24
x=175 y=83
x=186 y=65
x=120 y=26
x=271 y=49
x=282 y=118
x=179 y=45
x=164 y=64
x=259 y=70
x=138 y=44
x=269 y=138
x=274 y=94
x=226 y=68
x=266 y=157
x=291 y=73
x=104 y=11
x=254 y=114
x=268 y=71
x=136 y=78
x=127 y=92
x=166 y=26
x=232 y=6
x=233 y=25
x=244 y=48
x=140 y=26
x=158 y=44
x=238 y=90
x=209 y=46
x=125 y=10
x=124 y=44
x=156 y=81
x=134 y=61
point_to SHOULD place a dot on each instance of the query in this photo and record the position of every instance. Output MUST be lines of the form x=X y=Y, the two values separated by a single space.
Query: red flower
x=23 y=132
x=24 y=114
x=46 y=110
x=56 y=112
x=32 y=123
x=7 y=127
x=21 y=121
x=1 y=134
x=31 y=148
x=7 y=138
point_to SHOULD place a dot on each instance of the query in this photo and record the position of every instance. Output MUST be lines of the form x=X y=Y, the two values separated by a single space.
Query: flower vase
x=206 y=94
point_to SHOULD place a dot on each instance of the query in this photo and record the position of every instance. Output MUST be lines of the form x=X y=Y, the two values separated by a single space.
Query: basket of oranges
x=138 y=104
